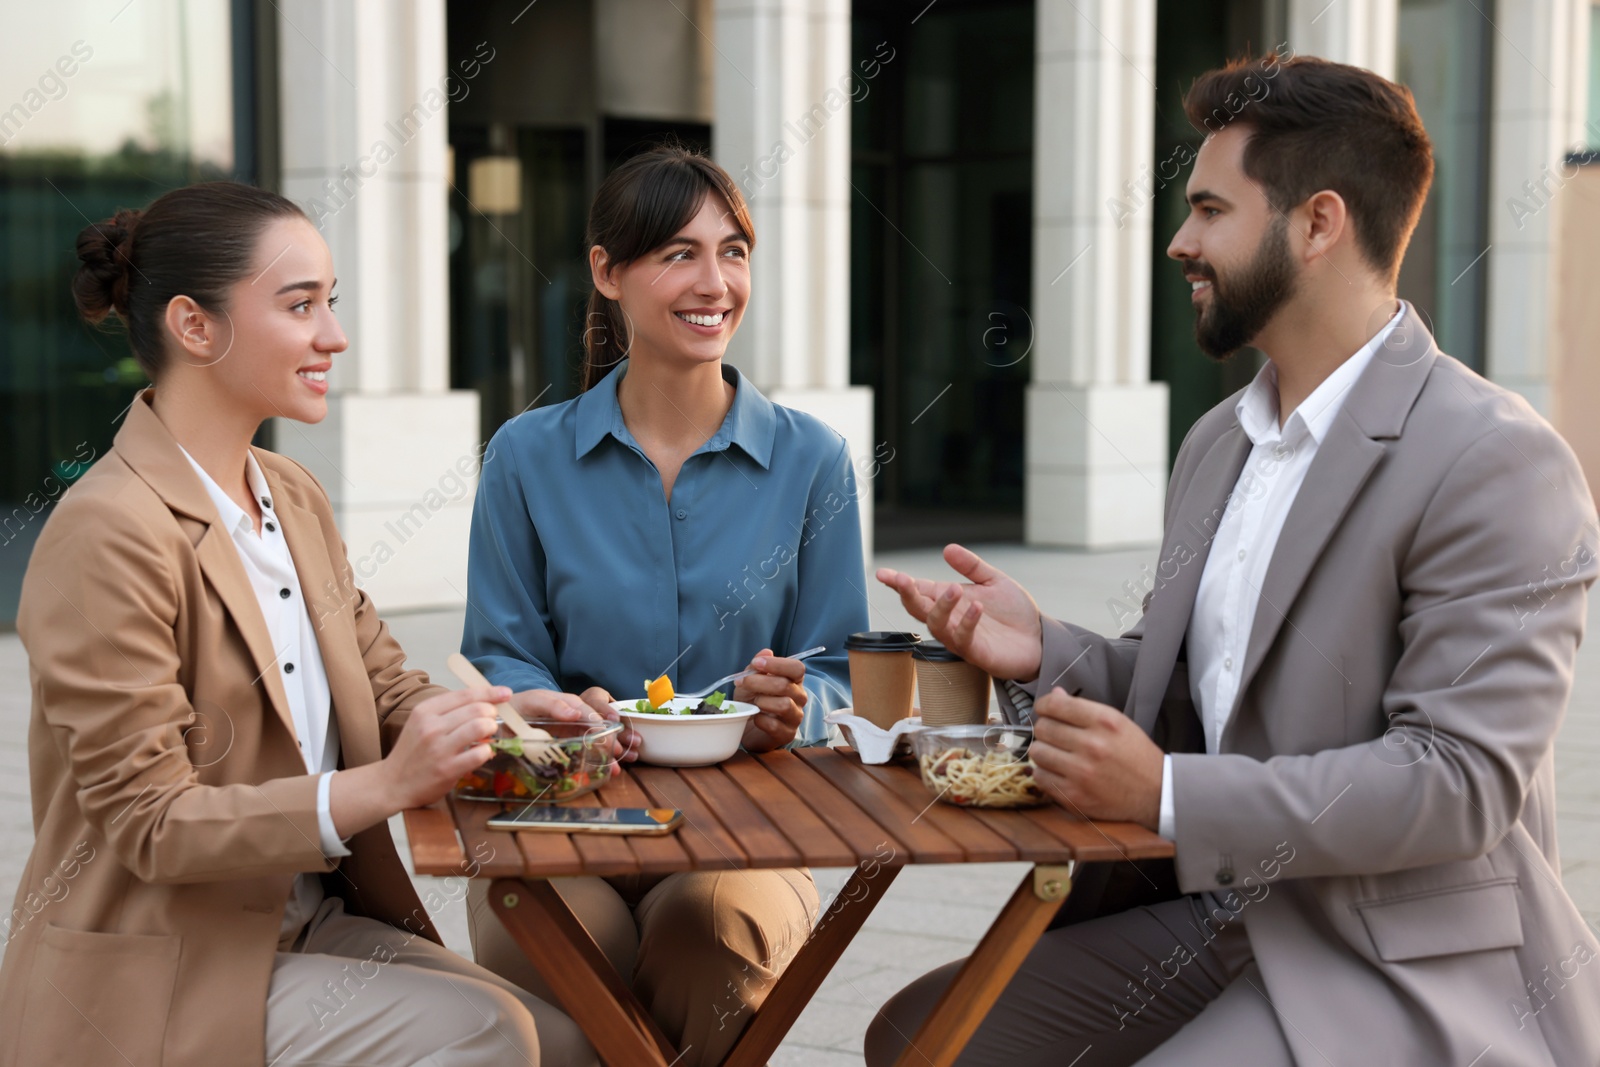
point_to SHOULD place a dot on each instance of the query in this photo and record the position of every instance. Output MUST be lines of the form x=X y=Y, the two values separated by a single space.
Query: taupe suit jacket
x=172 y=808
x=1383 y=805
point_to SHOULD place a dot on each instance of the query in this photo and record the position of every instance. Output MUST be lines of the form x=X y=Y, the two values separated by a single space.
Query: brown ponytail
x=196 y=242
x=638 y=208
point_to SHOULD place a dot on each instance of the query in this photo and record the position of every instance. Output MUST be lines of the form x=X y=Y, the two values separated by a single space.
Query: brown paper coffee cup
x=951 y=692
x=882 y=675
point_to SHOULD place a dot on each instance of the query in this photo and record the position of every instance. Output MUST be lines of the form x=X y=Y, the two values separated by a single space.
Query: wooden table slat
x=435 y=848
x=861 y=833
x=1137 y=842
x=1084 y=838
x=981 y=843
x=763 y=843
x=494 y=850
x=819 y=846
x=1032 y=841
x=707 y=841
x=654 y=855
x=602 y=854
x=924 y=843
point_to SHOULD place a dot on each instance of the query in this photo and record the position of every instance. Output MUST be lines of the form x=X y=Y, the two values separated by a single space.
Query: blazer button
x=1225 y=876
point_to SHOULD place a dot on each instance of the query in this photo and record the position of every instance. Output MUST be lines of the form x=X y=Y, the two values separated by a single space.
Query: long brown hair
x=638 y=208
x=196 y=242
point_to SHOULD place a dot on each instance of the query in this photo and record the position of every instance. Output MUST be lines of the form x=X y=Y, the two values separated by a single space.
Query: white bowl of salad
x=679 y=732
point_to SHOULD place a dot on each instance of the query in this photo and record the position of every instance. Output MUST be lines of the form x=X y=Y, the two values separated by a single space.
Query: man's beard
x=1242 y=309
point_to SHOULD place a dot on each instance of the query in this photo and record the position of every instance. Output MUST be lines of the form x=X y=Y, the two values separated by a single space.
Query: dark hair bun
x=105 y=252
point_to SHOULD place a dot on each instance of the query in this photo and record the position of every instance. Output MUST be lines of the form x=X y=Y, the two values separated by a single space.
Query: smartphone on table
x=650 y=821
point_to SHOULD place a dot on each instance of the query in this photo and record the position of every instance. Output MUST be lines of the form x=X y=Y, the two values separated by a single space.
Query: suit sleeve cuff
x=1167 y=828
x=332 y=844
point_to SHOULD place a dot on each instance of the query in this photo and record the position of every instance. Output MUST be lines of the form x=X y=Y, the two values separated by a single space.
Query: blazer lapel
x=146 y=446
x=1375 y=411
x=348 y=685
x=1344 y=461
x=1186 y=547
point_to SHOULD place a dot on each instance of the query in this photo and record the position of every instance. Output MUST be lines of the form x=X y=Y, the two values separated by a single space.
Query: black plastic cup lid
x=935 y=652
x=881 y=641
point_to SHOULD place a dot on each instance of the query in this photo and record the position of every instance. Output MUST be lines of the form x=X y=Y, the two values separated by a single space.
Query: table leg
x=798 y=983
x=589 y=988
x=981 y=980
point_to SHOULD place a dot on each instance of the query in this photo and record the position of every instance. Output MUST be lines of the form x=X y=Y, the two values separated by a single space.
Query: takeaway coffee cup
x=882 y=675
x=950 y=691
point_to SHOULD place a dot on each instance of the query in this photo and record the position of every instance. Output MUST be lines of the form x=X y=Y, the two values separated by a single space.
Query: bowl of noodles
x=978 y=766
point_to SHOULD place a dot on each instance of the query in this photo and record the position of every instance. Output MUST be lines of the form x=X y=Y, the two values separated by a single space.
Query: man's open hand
x=990 y=620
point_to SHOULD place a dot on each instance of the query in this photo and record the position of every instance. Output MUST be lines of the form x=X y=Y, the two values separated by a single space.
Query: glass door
x=941 y=225
x=102 y=106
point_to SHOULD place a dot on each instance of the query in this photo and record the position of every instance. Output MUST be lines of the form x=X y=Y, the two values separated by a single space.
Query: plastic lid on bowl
x=935 y=652
x=882 y=641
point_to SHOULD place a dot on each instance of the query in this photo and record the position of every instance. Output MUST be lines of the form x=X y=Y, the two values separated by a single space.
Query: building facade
x=962 y=210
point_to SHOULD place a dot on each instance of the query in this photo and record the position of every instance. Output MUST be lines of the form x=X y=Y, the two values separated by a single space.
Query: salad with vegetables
x=658 y=694
x=566 y=767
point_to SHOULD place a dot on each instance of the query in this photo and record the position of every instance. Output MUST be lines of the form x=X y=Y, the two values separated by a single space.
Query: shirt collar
x=233 y=516
x=752 y=422
x=1257 y=409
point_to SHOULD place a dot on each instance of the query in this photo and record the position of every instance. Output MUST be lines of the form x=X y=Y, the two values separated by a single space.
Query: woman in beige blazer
x=212 y=879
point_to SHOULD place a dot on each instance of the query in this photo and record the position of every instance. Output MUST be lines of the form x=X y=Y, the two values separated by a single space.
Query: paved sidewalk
x=931 y=914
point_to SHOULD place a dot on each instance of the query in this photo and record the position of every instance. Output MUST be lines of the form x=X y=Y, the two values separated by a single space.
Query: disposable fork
x=741 y=675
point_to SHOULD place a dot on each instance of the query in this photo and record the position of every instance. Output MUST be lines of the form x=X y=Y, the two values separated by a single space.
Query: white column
x=363 y=100
x=1540 y=53
x=1096 y=424
x=783 y=74
x=1358 y=32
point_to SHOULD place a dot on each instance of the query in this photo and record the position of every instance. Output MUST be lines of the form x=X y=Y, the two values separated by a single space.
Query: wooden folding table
x=813 y=807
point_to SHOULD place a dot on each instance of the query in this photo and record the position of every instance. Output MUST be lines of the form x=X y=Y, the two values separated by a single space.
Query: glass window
x=102 y=106
x=1594 y=77
x=1443 y=56
x=941 y=228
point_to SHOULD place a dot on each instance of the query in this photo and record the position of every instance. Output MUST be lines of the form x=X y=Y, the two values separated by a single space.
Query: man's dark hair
x=1318 y=125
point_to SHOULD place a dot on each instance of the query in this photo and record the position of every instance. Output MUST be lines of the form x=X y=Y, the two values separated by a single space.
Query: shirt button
x=284 y=593
x=288 y=668
x=266 y=502
x=1241 y=553
x=271 y=528
x=682 y=514
x=1227 y=664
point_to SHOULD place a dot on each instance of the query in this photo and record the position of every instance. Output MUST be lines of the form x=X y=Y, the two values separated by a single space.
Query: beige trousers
x=356 y=992
x=702 y=948
x=1170 y=985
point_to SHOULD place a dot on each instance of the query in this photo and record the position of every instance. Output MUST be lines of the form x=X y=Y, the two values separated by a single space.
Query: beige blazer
x=1383 y=805
x=171 y=807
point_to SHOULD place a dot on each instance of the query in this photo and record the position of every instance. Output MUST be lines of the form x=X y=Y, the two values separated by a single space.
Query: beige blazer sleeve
x=115 y=703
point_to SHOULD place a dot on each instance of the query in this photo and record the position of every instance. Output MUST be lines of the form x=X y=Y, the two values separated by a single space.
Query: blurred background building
x=962 y=212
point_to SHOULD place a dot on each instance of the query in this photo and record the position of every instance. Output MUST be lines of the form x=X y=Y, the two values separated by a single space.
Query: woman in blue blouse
x=670 y=520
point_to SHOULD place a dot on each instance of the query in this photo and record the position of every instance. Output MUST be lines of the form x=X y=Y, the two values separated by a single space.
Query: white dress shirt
x=1230 y=585
x=270 y=567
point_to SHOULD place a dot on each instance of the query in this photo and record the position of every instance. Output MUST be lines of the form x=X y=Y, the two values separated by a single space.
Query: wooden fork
x=538 y=746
